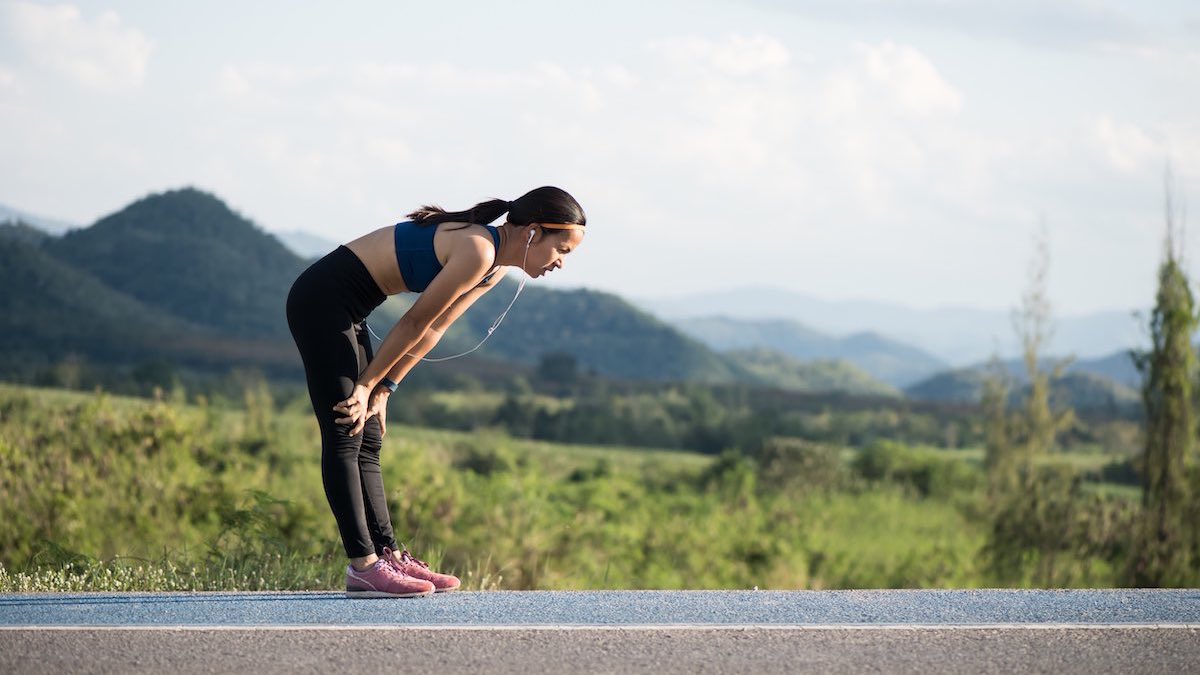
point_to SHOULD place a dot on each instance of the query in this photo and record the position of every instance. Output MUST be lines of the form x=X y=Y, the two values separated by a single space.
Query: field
x=99 y=492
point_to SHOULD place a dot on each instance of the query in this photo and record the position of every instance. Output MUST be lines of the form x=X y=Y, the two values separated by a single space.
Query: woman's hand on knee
x=354 y=409
x=378 y=406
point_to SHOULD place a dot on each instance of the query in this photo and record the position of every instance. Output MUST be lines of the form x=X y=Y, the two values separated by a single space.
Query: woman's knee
x=372 y=436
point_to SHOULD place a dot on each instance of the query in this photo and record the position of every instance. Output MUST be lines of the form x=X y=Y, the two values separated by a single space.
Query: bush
x=926 y=471
x=796 y=464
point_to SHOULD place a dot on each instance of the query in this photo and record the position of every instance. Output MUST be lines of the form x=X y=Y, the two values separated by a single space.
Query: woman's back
x=388 y=250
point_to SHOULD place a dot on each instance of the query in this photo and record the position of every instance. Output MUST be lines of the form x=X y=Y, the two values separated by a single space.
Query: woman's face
x=549 y=248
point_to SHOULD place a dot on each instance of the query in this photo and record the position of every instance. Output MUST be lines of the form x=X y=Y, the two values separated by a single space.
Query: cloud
x=865 y=168
x=732 y=114
x=100 y=54
x=8 y=78
x=1124 y=145
x=897 y=77
x=1064 y=24
x=737 y=55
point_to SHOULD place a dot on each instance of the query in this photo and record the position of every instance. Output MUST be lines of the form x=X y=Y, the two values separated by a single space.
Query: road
x=611 y=631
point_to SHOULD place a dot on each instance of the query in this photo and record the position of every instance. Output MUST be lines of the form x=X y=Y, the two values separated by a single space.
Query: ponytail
x=480 y=214
x=546 y=204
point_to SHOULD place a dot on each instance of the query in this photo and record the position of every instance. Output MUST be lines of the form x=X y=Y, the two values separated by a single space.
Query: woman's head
x=547 y=221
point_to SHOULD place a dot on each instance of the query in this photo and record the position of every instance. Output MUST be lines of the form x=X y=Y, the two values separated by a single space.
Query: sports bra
x=415 y=254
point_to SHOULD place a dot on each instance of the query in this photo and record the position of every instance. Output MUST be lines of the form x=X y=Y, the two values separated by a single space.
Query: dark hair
x=542 y=205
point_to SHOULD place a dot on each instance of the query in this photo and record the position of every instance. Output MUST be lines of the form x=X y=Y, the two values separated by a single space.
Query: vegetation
x=1167 y=537
x=105 y=492
x=625 y=455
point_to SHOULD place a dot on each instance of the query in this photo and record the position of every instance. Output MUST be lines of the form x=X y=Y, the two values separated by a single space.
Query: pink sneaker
x=382 y=580
x=406 y=564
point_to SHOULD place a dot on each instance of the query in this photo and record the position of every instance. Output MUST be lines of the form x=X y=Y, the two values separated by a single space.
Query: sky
x=905 y=151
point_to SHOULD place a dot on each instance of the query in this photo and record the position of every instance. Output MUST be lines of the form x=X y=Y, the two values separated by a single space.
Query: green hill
x=880 y=357
x=178 y=275
x=185 y=253
x=49 y=308
x=780 y=370
x=601 y=330
x=1081 y=390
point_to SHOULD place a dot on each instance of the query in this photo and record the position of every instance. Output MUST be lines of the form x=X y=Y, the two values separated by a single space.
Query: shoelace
x=406 y=557
x=390 y=570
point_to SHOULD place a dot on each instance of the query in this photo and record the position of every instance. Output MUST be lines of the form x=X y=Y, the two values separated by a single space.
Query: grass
x=103 y=492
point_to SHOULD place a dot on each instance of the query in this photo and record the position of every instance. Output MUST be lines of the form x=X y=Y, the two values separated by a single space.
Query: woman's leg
x=379 y=522
x=332 y=363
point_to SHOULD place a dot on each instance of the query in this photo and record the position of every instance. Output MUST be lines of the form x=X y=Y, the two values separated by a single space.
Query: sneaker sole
x=381 y=594
x=445 y=590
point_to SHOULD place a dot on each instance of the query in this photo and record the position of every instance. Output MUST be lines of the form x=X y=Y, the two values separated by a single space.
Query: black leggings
x=326 y=310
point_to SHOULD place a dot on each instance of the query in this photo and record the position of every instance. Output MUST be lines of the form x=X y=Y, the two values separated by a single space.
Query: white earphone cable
x=495 y=324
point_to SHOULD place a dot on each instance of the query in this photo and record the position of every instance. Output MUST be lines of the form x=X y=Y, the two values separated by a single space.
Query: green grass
x=108 y=493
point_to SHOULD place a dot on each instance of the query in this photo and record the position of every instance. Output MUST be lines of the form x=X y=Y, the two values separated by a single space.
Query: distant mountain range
x=48 y=225
x=1082 y=390
x=958 y=337
x=888 y=360
x=178 y=276
x=1107 y=381
x=306 y=245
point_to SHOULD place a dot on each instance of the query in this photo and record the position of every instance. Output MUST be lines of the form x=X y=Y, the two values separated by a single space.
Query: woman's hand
x=355 y=410
x=378 y=406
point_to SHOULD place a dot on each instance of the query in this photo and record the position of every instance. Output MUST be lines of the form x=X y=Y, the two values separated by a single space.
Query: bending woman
x=451 y=259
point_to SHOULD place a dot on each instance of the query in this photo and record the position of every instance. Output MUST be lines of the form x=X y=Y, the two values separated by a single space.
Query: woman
x=451 y=259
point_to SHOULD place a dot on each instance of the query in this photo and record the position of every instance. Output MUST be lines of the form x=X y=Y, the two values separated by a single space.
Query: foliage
x=102 y=492
x=1166 y=543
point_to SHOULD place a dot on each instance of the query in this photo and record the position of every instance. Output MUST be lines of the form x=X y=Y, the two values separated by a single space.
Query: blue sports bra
x=418 y=261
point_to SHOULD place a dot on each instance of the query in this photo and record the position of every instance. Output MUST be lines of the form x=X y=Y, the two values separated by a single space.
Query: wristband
x=389 y=385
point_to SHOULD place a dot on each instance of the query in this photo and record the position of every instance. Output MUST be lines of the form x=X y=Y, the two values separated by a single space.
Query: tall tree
x=1163 y=553
x=1032 y=510
x=1038 y=425
x=999 y=455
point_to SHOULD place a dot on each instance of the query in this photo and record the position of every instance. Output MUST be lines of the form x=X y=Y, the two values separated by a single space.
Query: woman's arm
x=467 y=265
x=461 y=273
x=409 y=360
x=440 y=326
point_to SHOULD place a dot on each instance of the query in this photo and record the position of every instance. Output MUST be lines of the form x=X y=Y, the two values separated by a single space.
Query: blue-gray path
x=588 y=608
x=1141 y=631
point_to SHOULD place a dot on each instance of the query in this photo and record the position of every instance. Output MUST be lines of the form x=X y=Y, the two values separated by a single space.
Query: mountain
x=47 y=225
x=1083 y=391
x=180 y=276
x=185 y=253
x=888 y=360
x=601 y=330
x=1117 y=367
x=958 y=336
x=306 y=245
x=50 y=308
x=23 y=233
x=781 y=370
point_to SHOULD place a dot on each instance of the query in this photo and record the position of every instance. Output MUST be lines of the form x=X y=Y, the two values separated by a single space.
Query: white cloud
x=735 y=118
x=1124 y=145
x=100 y=54
x=910 y=77
x=737 y=55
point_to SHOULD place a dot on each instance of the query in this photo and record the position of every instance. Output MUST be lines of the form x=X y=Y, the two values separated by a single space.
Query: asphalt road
x=625 y=631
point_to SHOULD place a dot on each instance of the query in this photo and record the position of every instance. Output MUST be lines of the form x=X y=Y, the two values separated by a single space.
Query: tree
x=999 y=456
x=1163 y=553
x=1033 y=510
x=1039 y=425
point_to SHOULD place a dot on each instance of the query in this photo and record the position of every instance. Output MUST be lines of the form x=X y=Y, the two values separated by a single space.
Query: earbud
x=531 y=233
